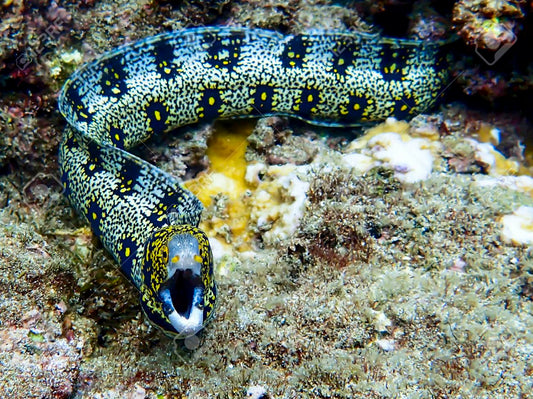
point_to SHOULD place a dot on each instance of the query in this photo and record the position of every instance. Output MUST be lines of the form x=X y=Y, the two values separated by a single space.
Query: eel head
x=178 y=291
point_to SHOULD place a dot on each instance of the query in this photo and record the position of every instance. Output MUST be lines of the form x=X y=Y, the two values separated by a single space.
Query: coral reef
x=344 y=269
x=488 y=24
x=497 y=33
x=296 y=16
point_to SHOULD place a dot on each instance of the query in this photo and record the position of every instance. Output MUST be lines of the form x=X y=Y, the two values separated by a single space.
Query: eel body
x=142 y=215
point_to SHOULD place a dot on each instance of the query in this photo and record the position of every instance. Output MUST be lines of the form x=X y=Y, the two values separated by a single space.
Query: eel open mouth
x=182 y=298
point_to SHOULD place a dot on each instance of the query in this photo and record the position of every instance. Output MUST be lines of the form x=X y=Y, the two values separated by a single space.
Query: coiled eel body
x=142 y=215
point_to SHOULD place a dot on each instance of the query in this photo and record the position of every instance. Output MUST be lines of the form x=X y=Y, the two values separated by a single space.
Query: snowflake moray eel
x=142 y=215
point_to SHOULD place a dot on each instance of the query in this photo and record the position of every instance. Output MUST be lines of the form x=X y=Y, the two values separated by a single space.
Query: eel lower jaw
x=182 y=300
x=187 y=326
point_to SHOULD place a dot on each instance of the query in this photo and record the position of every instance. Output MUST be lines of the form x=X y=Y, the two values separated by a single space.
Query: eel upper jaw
x=182 y=299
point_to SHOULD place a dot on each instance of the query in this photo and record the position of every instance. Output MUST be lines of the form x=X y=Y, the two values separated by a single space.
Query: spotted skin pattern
x=174 y=79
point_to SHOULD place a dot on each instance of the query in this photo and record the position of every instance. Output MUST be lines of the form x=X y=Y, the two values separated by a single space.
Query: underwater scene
x=266 y=199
